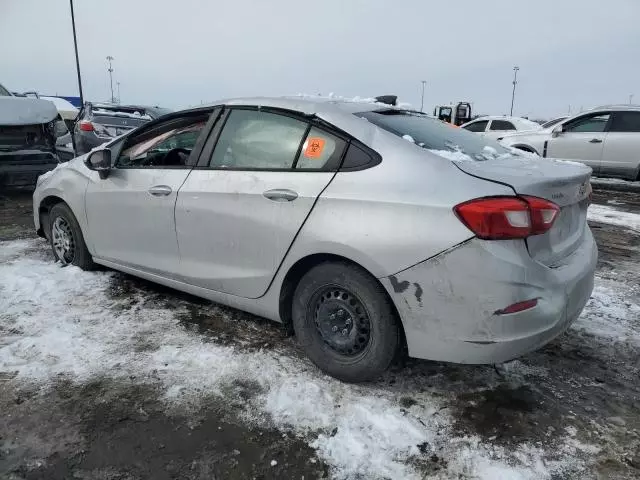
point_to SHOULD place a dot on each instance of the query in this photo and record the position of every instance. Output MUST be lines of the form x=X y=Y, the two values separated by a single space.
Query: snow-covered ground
x=62 y=322
x=613 y=216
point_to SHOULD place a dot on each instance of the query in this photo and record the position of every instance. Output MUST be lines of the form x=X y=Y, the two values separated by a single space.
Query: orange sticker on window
x=315 y=145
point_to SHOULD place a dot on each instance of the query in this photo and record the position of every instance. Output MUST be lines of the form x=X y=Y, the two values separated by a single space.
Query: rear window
x=119 y=121
x=427 y=132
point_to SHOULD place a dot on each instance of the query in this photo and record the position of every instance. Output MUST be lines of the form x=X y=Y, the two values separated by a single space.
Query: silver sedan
x=363 y=227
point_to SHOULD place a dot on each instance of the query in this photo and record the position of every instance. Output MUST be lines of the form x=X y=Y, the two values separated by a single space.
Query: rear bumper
x=448 y=304
x=23 y=168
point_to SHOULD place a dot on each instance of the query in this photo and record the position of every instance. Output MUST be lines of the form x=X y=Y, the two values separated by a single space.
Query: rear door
x=131 y=212
x=581 y=139
x=621 y=154
x=239 y=211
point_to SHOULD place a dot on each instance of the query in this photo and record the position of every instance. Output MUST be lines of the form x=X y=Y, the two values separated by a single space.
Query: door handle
x=595 y=140
x=160 y=190
x=281 y=195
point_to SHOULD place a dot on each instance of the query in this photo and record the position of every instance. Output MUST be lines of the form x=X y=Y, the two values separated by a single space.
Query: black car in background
x=98 y=123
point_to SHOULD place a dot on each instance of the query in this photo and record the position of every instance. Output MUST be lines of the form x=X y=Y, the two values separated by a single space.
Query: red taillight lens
x=503 y=218
x=86 y=126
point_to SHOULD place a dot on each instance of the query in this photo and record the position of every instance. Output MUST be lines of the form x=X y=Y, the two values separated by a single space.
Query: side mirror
x=99 y=161
x=557 y=130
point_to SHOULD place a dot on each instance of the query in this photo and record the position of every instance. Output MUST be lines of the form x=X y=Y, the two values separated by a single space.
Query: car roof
x=310 y=104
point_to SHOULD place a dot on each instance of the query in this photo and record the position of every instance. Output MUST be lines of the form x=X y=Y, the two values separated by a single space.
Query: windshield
x=4 y=92
x=442 y=138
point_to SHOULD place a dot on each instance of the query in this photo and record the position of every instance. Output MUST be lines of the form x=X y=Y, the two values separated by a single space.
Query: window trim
x=213 y=113
x=311 y=121
x=588 y=115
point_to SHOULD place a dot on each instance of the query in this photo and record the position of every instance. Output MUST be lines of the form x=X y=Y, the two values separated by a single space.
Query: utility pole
x=630 y=99
x=118 y=84
x=75 y=44
x=110 y=70
x=424 y=83
x=515 y=82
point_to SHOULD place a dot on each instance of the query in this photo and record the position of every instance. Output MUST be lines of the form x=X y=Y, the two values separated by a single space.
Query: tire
x=368 y=317
x=62 y=219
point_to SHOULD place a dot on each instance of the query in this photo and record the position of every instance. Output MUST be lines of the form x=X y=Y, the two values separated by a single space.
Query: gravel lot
x=105 y=376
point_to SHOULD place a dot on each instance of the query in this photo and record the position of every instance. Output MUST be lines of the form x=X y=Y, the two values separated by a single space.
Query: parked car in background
x=551 y=123
x=359 y=225
x=98 y=123
x=494 y=127
x=606 y=138
x=29 y=130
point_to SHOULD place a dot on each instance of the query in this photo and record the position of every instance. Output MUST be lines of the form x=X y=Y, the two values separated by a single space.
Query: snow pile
x=609 y=313
x=605 y=214
x=455 y=155
x=119 y=113
x=58 y=321
x=408 y=138
x=356 y=99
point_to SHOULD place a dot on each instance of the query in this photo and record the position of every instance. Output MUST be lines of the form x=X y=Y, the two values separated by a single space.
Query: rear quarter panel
x=394 y=215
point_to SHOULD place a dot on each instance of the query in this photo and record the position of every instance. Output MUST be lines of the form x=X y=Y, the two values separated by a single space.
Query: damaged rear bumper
x=450 y=304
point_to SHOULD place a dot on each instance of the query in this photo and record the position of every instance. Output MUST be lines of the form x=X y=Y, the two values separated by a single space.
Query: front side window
x=167 y=145
x=588 y=124
x=476 y=126
x=625 y=122
x=253 y=139
x=501 y=125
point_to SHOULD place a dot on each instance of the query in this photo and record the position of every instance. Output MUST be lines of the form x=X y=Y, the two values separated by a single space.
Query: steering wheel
x=176 y=152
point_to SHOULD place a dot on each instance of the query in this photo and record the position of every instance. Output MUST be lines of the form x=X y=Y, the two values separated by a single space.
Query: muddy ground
x=103 y=430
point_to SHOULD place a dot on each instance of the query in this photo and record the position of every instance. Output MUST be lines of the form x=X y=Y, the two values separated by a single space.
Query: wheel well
x=43 y=212
x=295 y=274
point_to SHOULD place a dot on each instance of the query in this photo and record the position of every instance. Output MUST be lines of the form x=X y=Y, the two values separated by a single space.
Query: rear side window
x=432 y=134
x=625 y=122
x=477 y=126
x=253 y=139
x=501 y=125
x=320 y=149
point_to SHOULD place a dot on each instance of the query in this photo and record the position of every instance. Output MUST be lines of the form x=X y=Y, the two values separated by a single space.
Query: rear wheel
x=345 y=322
x=66 y=238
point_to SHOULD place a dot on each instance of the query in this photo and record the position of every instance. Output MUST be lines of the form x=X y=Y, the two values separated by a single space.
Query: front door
x=239 y=212
x=131 y=212
x=581 y=139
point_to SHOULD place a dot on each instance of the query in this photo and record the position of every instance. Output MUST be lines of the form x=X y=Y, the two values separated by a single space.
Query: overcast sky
x=578 y=53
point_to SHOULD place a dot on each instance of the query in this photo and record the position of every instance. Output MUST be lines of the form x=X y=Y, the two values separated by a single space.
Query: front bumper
x=23 y=168
x=448 y=304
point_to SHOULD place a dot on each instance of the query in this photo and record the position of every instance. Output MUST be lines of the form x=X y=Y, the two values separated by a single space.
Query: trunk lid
x=564 y=183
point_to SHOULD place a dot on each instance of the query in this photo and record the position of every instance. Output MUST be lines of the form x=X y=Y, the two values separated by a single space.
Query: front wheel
x=345 y=322
x=66 y=238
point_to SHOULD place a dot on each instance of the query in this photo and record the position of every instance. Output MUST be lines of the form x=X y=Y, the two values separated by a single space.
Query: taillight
x=86 y=126
x=504 y=218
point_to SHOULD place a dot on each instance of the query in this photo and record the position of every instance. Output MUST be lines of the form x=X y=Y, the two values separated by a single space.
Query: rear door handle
x=160 y=190
x=595 y=140
x=281 y=195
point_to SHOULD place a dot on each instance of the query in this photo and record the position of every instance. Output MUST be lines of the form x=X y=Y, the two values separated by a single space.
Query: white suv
x=606 y=138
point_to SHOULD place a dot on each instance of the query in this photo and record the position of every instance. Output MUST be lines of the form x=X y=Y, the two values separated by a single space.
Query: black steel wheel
x=345 y=321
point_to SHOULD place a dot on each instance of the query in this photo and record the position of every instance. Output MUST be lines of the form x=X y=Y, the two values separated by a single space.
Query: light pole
x=75 y=44
x=424 y=83
x=630 y=99
x=110 y=70
x=515 y=82
x=118 y=84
